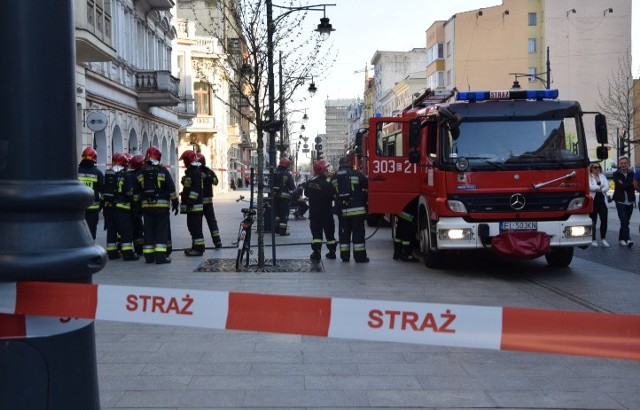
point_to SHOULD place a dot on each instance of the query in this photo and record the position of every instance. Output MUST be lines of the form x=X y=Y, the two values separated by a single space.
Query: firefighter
x=157 y=193
x=320 y=193
x=351 y=200
x=108 y=207
x=135 y=164
x=283 y=186
x=404 y=232
x=93 y=178
x=209 y=180
x=191 y=202
x=123 y=198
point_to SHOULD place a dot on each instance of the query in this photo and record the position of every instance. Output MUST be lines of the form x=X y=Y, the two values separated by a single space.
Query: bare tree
x=304 y=56
x=617 y=102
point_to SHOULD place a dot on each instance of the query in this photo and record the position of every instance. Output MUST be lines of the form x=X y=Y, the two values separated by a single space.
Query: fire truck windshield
x=513 y=143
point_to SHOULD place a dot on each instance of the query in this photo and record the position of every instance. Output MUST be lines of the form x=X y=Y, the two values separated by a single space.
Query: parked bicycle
x=244 y=234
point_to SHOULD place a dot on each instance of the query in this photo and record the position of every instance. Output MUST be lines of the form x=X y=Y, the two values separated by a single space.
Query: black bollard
x=43 y=234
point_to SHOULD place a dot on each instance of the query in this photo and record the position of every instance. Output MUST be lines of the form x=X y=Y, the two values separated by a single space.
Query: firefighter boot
x=129 y=255
x=332 y=251
x=407 y=255
x=397 y=250
x=345 y=252
x=113 y=254
x=217 y=242
x=162 y=258
x=283 y=229
x=193 y=252
x=316 y=256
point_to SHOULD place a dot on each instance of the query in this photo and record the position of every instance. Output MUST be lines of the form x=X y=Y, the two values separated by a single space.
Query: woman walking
x=599 y=186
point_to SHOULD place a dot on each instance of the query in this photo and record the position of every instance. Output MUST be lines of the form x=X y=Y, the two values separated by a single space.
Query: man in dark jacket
x=351 y=202
x=625 y=197
x=191 y=202
x=320 y=193
x=93 y=178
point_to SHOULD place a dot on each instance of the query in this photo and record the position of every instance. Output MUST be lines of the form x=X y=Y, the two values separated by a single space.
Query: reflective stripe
x=406 y=216
x=359 y=210
x=359 y=247
x=123 y=206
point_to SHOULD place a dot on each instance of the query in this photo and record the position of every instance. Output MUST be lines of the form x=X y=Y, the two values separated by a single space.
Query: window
x=532 y=46
x=448 y=48
x=533 y=19
x=532 y=72
x=449 y=79
x=201 y=97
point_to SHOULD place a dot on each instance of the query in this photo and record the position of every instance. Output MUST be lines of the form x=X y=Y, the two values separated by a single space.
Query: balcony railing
x=157 y=88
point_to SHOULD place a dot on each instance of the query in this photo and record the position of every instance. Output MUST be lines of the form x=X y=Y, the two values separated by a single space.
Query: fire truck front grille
x=516 y=202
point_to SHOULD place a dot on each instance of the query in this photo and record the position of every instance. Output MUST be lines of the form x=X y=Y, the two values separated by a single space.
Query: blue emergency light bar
x=507 y=95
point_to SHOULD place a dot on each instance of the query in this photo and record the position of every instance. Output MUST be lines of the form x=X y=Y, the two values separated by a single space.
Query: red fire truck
x=501 y=170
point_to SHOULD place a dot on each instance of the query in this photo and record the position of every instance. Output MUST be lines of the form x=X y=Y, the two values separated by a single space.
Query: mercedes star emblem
x=517 y=202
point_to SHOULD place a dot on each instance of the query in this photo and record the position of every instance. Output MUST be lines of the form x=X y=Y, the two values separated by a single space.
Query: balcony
x=147 y=5
x=93 y=32
x=157 y=88
x=186 y=108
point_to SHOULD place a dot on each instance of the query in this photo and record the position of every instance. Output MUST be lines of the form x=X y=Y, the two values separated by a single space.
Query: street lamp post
x=324 y=28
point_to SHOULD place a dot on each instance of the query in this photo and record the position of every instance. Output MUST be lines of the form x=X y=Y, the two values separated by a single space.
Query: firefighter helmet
x=128 y=156
x=136 y=162
x=189 y=156
x=284 y=162
x=319 y=167
x=90 y=154
x=201 y=159
x=119 y=159
x=344 y=162
x=153 y=153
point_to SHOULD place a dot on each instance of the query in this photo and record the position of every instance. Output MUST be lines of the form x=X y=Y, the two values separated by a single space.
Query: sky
x=362 y=27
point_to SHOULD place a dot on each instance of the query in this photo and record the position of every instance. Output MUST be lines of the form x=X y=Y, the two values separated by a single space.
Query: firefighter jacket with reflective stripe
x=166 y=188
x=209 y=180
x=350 y=191
x=125 y=187
x=283 y=183
x=320 y=193
x=93 y=178
x=191 y=195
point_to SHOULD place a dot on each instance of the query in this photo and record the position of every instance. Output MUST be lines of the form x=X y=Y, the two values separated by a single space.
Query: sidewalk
x=172 y=367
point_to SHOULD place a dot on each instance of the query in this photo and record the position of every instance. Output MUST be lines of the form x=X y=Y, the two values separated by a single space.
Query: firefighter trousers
x=156 y=234
x=92 y=216
x=194 y=224
x=210 y=215
x=320 y=224
x=352 y=230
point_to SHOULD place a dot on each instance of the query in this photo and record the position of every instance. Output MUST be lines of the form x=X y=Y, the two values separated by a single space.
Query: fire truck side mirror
x=414 y=156
x=358 y=143
x=414 y=133
x=602 y=152
x=601 y=129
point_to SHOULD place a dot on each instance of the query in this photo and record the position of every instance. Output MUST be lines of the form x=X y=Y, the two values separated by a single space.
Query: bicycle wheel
x=239 y=259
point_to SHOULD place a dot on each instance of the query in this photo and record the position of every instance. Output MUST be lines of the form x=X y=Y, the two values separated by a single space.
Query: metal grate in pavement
x=282 y=265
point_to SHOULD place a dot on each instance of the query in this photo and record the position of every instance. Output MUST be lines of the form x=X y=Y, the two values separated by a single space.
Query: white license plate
x=519 y=226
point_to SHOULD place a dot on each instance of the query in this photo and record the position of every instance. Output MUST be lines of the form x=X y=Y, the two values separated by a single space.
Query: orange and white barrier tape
x=68 y=306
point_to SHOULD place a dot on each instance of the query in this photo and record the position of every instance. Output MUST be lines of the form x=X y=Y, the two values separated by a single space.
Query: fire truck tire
x=559 y=257
x=432 y=259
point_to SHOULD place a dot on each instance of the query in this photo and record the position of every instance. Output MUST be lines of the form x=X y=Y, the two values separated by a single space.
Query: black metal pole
x=43 y=234
x=548 y=70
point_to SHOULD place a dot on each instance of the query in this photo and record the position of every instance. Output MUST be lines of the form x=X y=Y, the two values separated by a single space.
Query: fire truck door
x=393 y=180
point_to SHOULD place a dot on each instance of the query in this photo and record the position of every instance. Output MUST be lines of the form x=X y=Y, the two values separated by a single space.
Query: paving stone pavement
x=169 y=367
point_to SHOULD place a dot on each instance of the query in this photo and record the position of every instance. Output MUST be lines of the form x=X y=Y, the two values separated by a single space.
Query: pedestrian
x=299 y=202
x=209 y=180
x=123 y=198
x=191 y=202
x=351 y=200
x=598 y=186
x=108 y=210
x=624 y=197
x=93 y=178
x=136 y=163
x=404 y=233
x=157 y=193
x=283 y=185
x=320 y=193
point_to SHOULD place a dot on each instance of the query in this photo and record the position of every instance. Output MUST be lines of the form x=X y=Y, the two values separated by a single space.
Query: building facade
x=125 y=93
x=337 y=128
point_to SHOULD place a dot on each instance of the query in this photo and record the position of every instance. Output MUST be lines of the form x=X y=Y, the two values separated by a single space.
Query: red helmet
x=90 y=154
x=188 y=157
x=201 y=158
x=153 y=153
x=284 y=162
x=119 y=159
x=137 y=162
x=319 y=167
x=128 y=156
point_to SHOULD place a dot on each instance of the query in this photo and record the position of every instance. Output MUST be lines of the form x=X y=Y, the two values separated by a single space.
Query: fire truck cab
x=501 y=170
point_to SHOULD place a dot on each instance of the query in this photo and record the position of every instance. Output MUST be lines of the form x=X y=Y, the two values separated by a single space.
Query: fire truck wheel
x=432 y=259
x=559 y=257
